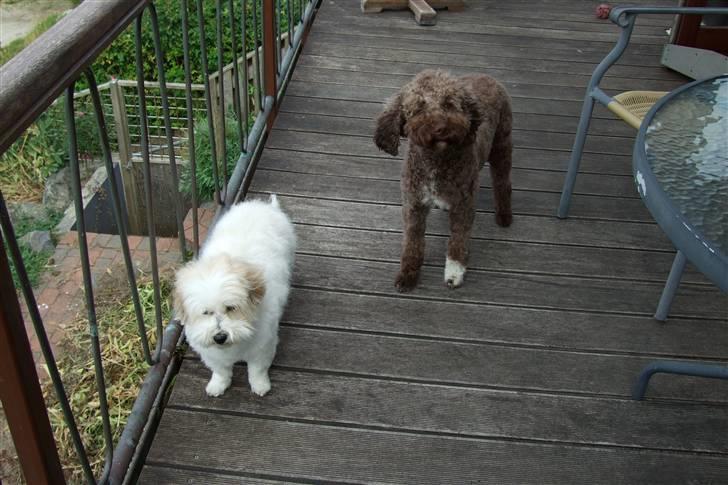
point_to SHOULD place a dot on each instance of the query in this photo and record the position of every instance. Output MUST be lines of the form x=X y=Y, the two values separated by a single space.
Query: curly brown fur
x=454 y=125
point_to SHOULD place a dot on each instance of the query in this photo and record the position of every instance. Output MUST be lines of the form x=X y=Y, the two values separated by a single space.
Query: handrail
x=45 y=68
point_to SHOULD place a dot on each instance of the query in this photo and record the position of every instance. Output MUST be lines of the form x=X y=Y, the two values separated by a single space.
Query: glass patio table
x=680 y=166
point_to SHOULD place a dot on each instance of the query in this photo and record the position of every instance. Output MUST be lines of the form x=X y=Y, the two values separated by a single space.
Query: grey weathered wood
x=533 y=170
x=507 y=69
x=596 y=142
x=370 y=110
x=493 y=255
x=572 y=231
x=513 y=289
x=523 y=374
x=467 y=412
x=389 y=167
x=326 y=453
x=133 y=196
x=388 y=192
x=163 y=475
x=556 y=329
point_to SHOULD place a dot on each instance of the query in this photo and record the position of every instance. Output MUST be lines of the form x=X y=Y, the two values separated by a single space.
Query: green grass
x=35 y=263
x=124 y=368
x=10 y=50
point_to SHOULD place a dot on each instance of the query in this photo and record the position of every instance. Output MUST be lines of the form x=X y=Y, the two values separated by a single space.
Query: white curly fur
x=238 y=288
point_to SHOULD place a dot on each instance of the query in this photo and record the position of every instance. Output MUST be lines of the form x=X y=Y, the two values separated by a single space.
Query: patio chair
x=630 y=106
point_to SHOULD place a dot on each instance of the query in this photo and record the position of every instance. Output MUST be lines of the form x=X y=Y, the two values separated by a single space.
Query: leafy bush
x=203 y=159
x=119 y=60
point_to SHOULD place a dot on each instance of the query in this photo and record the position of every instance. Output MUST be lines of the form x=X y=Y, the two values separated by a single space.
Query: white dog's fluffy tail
x=274 y=201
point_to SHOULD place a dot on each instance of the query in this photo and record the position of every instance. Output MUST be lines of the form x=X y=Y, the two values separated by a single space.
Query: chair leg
x=576 y=152
x=696 y=369
x=673 y=281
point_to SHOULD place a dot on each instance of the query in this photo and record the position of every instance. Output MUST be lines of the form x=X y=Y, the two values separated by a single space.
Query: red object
x=603 y=10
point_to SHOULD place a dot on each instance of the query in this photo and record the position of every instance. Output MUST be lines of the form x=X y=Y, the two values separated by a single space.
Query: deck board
x=523 y=375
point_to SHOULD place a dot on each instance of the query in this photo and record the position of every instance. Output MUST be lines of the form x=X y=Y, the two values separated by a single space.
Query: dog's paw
x=216 y=387
x=503 y=219
x=406 y=281
x=260 y=385
x=454 y=273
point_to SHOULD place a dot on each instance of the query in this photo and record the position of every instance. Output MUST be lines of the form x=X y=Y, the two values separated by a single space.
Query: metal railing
x=52 y=66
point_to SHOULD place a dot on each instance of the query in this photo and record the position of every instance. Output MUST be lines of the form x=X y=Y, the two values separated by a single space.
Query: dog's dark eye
x=207 y=312
x=229 y=308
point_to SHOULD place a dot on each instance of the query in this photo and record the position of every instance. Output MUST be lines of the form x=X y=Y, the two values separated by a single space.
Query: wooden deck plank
x=331 y=453
x=164 y=475
x=494 y=255
x=321 y=53
x=549 y=230
x=473 y=412
x=370 y=110
x=364 y=128
x=523 y=375
x=387 y=192
x=513 y=289
x=529 y=327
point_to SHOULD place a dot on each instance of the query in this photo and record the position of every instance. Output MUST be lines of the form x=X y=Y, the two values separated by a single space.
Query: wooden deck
x=521 y=376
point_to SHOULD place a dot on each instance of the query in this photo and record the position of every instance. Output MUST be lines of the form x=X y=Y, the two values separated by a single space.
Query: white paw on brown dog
x=453 y=125
x=232 y=297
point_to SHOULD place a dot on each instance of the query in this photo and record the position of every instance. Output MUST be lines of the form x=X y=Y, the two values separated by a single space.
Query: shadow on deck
x=524 y=374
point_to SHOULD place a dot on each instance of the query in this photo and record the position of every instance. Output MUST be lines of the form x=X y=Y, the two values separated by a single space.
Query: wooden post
x=217 y=103
x=132 y=197
x=270 y=43
x=20 y=390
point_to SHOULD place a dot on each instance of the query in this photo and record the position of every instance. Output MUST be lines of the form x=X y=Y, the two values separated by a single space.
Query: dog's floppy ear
x=390 y=126
x=256 y=285
x=474 y=110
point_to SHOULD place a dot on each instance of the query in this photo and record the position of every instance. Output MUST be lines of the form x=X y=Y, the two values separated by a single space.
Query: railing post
x=270 y=43
x=20 y=391
x=128 y=180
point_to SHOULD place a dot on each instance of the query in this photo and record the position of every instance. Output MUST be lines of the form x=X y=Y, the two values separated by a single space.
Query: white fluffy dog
x=231 y=298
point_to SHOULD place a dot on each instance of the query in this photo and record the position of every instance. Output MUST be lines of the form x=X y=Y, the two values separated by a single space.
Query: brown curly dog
x=454 y=125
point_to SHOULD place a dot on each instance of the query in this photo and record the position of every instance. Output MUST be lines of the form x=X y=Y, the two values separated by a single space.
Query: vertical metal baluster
x=159 y=54
x=190 y=125
x=301 y=9
x=44 y=343
x=151 y=230
x=221 y=82
x=87 y=282
x=256 y=39
x=289 y=9
x=246 y=86
x=208 y=101
x=116 y=205
x=236 y=75
x=277 y=25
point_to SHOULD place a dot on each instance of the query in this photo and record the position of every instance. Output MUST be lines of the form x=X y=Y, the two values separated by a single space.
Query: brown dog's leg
x=461 y=224
x=413 y=245
x=500 y=174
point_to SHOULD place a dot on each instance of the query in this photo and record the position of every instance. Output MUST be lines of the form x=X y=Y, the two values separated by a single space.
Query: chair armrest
x=617 y=13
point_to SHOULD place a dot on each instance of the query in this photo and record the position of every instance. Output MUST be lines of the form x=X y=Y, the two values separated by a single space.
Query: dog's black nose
x=220 y=338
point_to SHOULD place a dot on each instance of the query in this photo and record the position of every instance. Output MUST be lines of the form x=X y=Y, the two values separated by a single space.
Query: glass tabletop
x=686 y=146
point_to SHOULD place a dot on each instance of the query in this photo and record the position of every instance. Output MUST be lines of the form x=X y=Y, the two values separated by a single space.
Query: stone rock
x=38 y=241
x=57 y=194
x=34 y=211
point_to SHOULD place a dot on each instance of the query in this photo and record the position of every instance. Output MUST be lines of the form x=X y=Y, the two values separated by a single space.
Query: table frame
x=690 y=243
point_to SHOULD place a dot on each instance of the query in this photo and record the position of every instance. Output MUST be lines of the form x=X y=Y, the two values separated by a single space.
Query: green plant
x=35 y=263
x=124 y=368
x=203 y=159
x=17 y=45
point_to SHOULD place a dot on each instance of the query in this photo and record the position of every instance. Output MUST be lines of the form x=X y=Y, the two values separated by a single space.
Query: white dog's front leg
x=258 y=378
x=219 y=382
